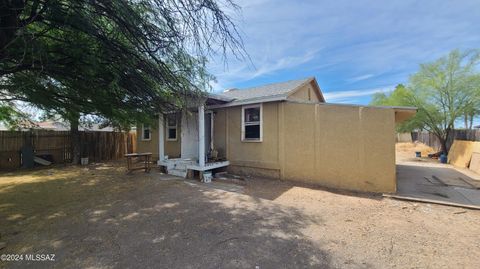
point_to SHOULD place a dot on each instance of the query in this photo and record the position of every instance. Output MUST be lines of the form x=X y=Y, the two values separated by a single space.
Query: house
x=65 y=126
x=282 y=130
x=51 y=125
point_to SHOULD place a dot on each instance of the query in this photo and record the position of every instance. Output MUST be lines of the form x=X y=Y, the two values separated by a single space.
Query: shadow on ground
x=102 y=218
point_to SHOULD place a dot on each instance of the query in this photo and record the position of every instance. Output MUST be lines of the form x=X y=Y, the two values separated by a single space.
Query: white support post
x=201 y=136
x=212 y=129
x=161 y=140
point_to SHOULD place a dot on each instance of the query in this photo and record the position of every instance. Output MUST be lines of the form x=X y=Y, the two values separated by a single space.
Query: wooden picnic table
x=146 y=161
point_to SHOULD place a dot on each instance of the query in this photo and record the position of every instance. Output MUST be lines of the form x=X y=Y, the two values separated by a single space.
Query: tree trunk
x=443 y=144
x=444 y=140
x=75 y=140
x=466 y=120
x=471 y=122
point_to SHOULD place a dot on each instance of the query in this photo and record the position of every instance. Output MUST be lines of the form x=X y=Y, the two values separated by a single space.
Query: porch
x=197 y=152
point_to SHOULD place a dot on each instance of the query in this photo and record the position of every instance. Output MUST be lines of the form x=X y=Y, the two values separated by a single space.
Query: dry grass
x=410 y=147
x=405 y=151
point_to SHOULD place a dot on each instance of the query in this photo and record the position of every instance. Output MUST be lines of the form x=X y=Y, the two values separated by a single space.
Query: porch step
x=178 y=172
x=177 y=164
x=181 y=166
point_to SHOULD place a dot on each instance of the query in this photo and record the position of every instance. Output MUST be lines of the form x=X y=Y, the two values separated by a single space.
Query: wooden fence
x=56 y=145
x=431 y=140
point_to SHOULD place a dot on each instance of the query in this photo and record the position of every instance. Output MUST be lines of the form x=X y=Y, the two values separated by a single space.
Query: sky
x=353 y=48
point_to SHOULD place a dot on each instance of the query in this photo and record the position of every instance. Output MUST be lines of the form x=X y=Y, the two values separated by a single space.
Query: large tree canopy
x=117 y=59
x=444 y=91
x=123 y=60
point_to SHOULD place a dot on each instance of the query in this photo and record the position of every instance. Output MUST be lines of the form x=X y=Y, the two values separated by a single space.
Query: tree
x=443 y=91
x=473 y=110
x=400 y=96
x=123 y=60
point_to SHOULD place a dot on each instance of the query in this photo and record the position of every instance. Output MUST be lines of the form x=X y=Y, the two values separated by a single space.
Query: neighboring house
x=59 y=126
x=64 y=126
x=281 y=130
x=52 y=126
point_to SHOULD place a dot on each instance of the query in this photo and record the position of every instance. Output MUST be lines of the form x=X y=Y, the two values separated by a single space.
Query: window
x=171 y=127
x=252 y=123
x=146 y=132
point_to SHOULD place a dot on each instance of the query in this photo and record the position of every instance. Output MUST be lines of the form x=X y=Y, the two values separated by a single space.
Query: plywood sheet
x=475 y=162
x=461 y=151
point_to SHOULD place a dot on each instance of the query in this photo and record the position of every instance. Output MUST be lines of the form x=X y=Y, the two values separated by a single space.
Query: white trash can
x=84 y=161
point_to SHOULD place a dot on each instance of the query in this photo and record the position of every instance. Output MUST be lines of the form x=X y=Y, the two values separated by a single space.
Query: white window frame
x=168 y=127
x=149 y=131
x=261 y=123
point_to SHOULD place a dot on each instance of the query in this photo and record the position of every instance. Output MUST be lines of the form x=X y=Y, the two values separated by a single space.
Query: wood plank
x=407 y=198
x=461 y=151
x=475 y=162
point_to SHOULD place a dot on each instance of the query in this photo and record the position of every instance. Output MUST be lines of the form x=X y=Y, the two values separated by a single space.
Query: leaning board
x=461 y=151
x=475 y=162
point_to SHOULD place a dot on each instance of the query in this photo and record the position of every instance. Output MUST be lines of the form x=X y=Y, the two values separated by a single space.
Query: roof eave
x=251 y=101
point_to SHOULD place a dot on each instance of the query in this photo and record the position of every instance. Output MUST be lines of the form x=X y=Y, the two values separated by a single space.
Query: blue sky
x=353 y=48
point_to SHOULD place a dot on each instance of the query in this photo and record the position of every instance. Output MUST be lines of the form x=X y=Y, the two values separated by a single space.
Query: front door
x=189 y=135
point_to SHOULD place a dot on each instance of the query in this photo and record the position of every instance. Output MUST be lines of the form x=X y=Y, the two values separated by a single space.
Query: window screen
x=146 y=132
x=171 y=127
x=252 y=123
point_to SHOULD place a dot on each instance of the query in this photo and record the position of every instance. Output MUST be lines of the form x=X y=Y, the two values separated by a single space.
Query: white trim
x=167 y=130
x=149 y=131
x=212 y=129
x=208 y=166
x=201 y=136
x=161 y=142
x=251 y=101
x=260 y=105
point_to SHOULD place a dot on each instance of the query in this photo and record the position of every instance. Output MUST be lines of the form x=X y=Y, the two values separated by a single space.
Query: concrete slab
x=436 y=183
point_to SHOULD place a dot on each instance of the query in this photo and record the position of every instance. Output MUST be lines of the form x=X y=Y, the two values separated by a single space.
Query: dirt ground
x=405 y=152
x=99 y=217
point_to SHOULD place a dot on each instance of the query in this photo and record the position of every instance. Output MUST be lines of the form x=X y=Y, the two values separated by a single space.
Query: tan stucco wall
x=248 y=158
x=220 y=132
x=305 y=93
x=344 y=147
x=172 y=148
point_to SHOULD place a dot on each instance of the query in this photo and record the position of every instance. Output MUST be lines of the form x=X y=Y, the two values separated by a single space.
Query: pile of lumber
x=465 y=154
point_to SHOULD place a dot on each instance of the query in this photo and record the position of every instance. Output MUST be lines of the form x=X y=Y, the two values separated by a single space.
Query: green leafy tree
x=473 y=109
x=443 y=91
x=121 y=60
x=400 y=96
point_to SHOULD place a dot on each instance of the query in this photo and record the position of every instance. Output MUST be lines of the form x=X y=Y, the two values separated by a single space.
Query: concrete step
x=178 y=172
x=180 y=166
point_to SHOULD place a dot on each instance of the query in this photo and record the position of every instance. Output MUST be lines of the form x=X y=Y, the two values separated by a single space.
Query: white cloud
x=245 y=71
x=283 y=64
x=343 y=96
x=347 y=44
x=362 y=77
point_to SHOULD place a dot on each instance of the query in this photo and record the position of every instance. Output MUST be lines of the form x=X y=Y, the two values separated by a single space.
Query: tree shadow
x=112 y=220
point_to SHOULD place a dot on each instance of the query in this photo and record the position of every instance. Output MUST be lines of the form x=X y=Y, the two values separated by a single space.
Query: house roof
x=265 y=93
x=269 y=90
